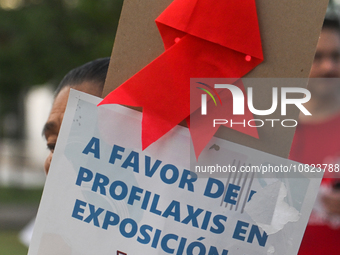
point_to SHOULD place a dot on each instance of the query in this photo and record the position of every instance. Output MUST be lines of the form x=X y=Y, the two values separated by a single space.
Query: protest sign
x=105 y=195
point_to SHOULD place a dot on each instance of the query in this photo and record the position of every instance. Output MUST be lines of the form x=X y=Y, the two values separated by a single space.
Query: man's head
x=89 y=78
x=327 y=60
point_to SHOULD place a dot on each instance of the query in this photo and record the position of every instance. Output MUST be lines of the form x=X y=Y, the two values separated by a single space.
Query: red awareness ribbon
x=202 y=38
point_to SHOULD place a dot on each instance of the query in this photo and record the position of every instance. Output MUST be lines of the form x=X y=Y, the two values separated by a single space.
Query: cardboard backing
x=289 y=32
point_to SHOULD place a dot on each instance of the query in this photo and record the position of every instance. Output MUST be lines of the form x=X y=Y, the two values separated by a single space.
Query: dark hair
x=331 y=23
x=94 y=71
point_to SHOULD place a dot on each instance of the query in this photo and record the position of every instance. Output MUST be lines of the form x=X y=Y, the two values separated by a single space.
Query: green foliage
x=42 y=40
x=10 y=244
x=11 y=195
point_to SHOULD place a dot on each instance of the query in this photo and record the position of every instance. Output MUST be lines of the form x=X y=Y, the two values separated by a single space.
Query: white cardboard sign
x=104 y=195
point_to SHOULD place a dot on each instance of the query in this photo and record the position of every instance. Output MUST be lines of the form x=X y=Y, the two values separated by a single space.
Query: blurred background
x=40 y=41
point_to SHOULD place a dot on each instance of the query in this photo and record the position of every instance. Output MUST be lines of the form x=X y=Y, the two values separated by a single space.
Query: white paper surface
x=104 y=195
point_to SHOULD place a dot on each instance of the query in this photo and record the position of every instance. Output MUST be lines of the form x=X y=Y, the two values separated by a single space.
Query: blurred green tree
x=41 y=40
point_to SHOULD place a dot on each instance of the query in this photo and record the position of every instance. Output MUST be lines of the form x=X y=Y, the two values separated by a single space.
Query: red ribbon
x=202 y=38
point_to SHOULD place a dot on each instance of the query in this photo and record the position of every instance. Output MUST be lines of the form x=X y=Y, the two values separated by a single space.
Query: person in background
x=317 y=141
x=88 y=78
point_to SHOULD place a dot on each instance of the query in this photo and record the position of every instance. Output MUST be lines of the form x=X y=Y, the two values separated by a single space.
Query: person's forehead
x=59 y=105
x=57 y=112
x=331 y=30
x=329 y=38
x=61 y=99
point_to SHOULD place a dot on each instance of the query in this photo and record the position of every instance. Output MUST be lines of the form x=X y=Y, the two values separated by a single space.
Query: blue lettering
x=156 y=238
x=213 y=251
x=173 y=210
x=149 y=172
x=181 y=246
x=192 y=216
x=100 y=181
x=84 y=175
x=174 y=176
x=255 y=231
x=164 y=242
x=208 y=188
x=240 y=230
x=231 y=194
x=122 y=194
x=115 y=155
x=146 y=200
x=133 y=161
x=133 y=229
x=133 y=194
x=94 y=142
x=188 y=178
x=146 y=237
x=154 y=204
x=252 y=192
x=194 y=245
x=111 y=219
x=94 y=215
x=217 y=221
x=206 y=220
x=77 y=209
